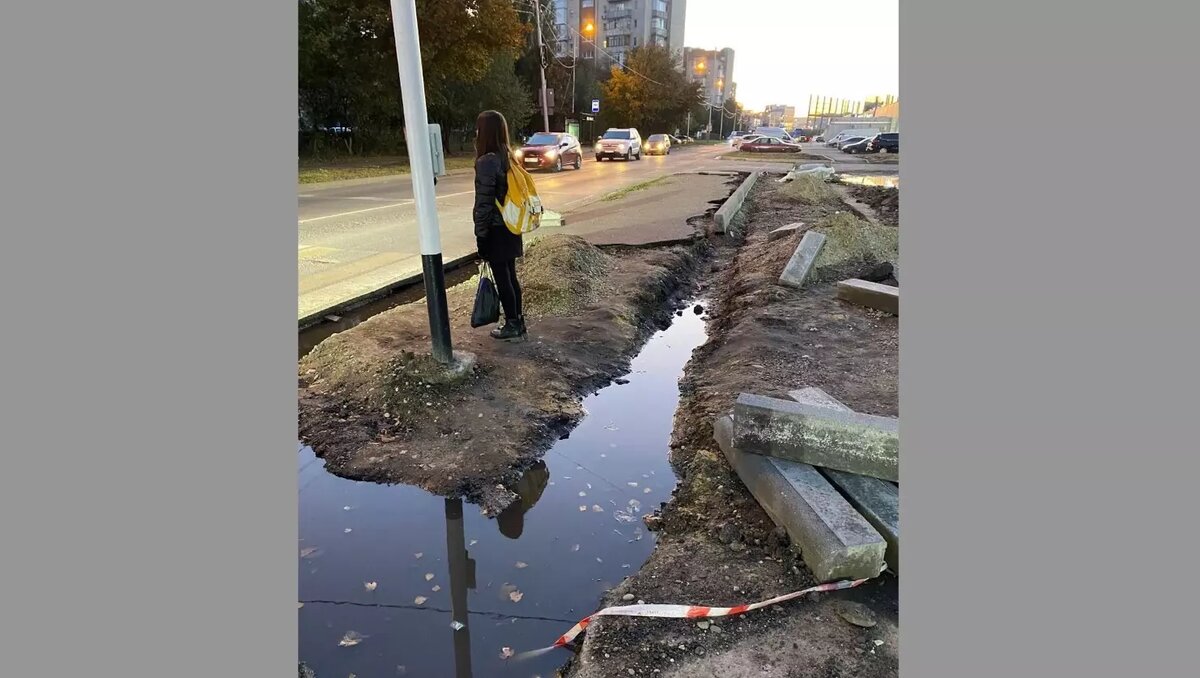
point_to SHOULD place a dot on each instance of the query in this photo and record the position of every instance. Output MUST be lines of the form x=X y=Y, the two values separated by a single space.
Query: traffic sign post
x=595 y=105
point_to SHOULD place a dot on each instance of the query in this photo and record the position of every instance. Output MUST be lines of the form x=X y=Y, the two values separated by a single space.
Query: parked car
x=550 y=150
x=819 y=138
x=888 y=142
x=855 y=145
x=737 y=143
x=735 y=136
x=619 y=142
x=777 y=132
x=658 y=144
x=676 y=141
x=846 y=141
x=770 y=145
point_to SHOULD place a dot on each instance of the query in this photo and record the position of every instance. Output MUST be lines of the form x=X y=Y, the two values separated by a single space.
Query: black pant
x=505 y=274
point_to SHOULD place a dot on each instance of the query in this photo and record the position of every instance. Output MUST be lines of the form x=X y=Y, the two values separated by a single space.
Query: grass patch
x=315 y=171
x=560 y=274
x=850 y=244
x=617 y=195
x=810 y=190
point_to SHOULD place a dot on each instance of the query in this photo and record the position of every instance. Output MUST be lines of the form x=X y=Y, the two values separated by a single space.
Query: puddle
x=884 y=180
x=517 y=581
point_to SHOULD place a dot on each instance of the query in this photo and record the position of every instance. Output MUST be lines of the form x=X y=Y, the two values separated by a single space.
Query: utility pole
x=420 y=156
x=537 y=6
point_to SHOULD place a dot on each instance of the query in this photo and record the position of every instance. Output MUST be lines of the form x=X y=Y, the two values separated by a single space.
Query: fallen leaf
x=310 y=552
x=583 y=494
x=428 y=576
x=436 y=588
x=473 y=542
x=521 y=565
x=646 y=491
x=370 y=585
x=516 y=596
x=419 y=555
x=348 y=530
x=351 y=639
x=420 y=600
x=507 y=653
x=583 y=508
x=596 y=508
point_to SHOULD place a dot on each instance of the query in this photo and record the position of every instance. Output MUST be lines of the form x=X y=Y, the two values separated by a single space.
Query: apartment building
x=609 y=29
x=713 y=69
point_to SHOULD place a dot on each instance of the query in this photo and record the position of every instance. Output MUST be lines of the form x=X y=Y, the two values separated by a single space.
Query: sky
x=786 y=50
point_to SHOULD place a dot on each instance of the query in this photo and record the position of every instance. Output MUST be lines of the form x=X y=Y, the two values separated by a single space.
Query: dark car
x=888 y=142
x=855 y=145
x=769 y=145
x=550 y=150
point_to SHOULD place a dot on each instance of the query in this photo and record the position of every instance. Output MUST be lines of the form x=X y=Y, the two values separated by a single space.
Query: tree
x=649 y=92
x=347 y=61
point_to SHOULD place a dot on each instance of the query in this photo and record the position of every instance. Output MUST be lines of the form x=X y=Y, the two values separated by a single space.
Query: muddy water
x=516 y=581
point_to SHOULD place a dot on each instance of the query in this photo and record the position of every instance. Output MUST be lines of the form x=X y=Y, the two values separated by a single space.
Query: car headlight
x=551 y=154
x=520 y=154
x=623 y=147
x=597 y=147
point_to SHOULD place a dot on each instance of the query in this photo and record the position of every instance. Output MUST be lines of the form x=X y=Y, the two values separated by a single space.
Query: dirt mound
x=852 y=245
x=373 y=407
x=809 y=190
x=561 y=274
x=885 y=201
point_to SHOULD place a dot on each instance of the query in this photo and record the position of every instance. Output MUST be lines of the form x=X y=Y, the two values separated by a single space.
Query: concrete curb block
x=846 y=441
x=878 y=501
x=871 y=295
x=835 y=541
x=724 y=215
x=317 y=316
x=798 y=267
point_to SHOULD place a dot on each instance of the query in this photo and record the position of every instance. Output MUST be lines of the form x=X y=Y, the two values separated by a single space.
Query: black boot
x=513 y=330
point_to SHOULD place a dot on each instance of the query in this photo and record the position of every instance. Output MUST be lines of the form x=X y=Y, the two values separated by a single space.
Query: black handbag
x=487 y=301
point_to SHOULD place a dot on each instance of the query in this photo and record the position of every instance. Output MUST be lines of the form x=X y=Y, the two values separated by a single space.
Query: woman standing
x=497 y=245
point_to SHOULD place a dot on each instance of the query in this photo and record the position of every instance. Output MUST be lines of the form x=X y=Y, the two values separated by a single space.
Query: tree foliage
x=650 y=93
x=348 y=71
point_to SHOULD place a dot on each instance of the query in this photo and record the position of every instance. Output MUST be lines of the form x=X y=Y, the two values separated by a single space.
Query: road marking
x=315 y=253
x=408 y=201
x=348 y=271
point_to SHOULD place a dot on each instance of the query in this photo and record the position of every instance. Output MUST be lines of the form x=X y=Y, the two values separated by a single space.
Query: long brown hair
x=491 y=135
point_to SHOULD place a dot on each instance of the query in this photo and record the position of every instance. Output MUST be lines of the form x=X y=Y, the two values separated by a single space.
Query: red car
x=550 y=150
x=769 y=145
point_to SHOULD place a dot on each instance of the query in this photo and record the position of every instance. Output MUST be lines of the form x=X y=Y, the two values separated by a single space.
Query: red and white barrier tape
x=684 y=612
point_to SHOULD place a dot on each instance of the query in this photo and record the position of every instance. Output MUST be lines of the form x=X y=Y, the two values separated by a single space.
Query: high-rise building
x=608 y=29
x=713 y=69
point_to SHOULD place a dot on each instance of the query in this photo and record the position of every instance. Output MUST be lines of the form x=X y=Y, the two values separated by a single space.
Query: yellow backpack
x=522 y=208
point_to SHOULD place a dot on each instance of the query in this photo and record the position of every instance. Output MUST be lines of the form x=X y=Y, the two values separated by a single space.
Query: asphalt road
x=361 y=236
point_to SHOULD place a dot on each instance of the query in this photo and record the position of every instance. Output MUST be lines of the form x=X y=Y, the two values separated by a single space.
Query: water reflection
x=462 y=578
x=529 y=489
x=885 y=181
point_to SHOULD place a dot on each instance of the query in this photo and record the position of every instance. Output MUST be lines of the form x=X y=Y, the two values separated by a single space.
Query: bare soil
x=375 y=407
x=885 y=201
x=716 y=545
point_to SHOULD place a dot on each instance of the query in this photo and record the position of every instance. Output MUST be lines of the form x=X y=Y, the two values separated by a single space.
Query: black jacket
x=493 y=240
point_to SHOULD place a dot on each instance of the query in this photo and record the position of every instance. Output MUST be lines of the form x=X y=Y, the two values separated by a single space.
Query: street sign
x=588 y=118
x=595 y=105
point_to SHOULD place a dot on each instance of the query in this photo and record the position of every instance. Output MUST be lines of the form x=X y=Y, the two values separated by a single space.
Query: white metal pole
x=420 y=159
x=537 y=5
